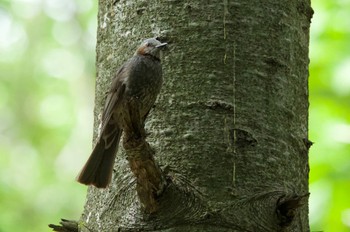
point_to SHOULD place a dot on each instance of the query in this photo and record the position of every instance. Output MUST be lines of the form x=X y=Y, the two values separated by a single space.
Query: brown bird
x=132 y=94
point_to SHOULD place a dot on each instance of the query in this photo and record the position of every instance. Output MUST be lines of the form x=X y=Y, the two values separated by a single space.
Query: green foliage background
x=329 y=120
x=46 y=102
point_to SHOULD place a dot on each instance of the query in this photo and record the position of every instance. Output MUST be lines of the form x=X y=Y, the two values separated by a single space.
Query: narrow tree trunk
x=230 y=126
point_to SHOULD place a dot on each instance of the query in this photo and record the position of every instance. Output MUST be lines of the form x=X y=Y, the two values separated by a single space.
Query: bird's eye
x=148 y=44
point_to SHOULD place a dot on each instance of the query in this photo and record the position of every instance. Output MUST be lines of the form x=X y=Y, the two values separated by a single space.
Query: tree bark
x=230 y=127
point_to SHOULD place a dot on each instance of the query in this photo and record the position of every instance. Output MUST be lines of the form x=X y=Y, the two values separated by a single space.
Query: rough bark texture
x=230 y=125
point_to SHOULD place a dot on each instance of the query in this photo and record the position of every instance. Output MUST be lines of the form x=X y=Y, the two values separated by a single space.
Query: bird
x=131 y=96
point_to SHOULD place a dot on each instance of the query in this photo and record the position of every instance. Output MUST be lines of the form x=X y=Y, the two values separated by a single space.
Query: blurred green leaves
x=46 y=103
x=330 y=116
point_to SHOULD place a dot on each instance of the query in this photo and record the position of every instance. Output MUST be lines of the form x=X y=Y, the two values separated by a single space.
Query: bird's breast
x=144 y=82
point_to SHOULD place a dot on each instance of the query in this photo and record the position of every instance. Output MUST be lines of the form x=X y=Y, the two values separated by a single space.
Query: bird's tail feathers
x=99 y=168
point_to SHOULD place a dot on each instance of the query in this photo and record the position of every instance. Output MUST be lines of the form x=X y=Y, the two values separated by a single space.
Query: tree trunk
x=229 y=128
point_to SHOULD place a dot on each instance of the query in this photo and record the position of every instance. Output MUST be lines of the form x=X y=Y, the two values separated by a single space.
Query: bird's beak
x=161 y=45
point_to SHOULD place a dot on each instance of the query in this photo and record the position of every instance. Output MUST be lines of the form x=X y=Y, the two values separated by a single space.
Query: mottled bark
x=230 y=125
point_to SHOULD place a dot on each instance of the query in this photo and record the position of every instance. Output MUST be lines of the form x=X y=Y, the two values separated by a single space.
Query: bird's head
x=151 y=47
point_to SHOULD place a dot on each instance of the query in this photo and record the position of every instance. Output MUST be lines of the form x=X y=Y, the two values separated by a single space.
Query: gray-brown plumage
x=131 y=96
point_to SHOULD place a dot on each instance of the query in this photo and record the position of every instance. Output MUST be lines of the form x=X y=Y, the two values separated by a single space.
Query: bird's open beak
x=161 y=45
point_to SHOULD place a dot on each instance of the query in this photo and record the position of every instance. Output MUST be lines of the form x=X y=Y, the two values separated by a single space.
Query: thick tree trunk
x=229 y=128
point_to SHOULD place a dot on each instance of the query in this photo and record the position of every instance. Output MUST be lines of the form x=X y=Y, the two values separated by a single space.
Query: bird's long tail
x=99 y=168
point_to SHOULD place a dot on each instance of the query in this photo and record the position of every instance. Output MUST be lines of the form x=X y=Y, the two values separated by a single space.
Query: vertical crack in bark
x=234 y=115
x=232 y=147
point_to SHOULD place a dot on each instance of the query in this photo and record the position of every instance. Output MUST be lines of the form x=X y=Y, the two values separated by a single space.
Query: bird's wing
x=114 y=97
x=114 y=94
